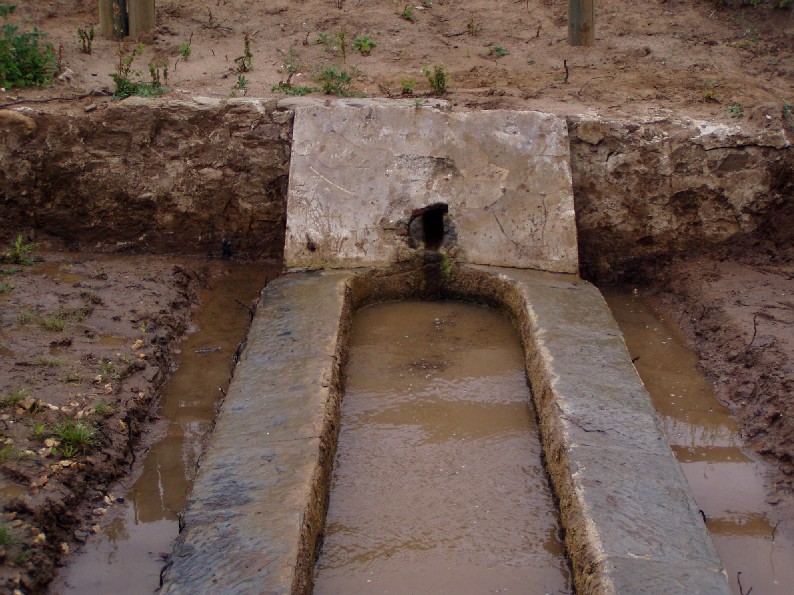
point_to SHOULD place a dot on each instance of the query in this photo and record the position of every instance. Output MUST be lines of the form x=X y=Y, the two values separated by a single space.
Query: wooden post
x=581 y=22
x=143 y=17
x=113 y=19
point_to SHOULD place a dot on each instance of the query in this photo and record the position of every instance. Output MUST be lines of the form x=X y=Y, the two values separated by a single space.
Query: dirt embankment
x=85 y=344
x=650 y=58
x=144 y=176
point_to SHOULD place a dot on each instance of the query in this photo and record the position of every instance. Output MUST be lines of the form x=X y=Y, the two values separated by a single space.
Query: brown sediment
x=439 y=468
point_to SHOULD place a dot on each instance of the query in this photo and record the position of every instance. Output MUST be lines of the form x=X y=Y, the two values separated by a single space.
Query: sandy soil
x=697 y=57
x=84 y=340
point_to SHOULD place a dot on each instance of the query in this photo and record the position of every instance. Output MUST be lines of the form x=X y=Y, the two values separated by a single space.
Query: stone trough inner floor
x=259 y=502
x=438 y=482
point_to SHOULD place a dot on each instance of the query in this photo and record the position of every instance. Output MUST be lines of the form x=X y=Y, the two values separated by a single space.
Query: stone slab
x=244 y=519
x=631 y=523
x=623 y=495
x=360 y=168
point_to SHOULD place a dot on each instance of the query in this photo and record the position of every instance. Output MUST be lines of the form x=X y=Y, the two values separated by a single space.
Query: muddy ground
x=736 y=305
x=86 y=342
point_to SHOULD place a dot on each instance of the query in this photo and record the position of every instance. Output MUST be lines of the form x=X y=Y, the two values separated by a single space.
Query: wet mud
x=438 y=482
x=753 y=534
x=131 y=550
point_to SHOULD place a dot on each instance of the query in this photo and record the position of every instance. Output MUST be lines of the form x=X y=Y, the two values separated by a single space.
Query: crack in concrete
x=499 y=223
x=581 y=427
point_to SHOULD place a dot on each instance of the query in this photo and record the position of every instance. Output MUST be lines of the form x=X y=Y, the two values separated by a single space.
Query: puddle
x=729 y=486
x=127 y=556
x=57 y=271
x=438 y=484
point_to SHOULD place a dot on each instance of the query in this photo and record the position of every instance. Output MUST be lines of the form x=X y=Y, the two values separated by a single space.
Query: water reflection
x=729 y=486
x=128 y=556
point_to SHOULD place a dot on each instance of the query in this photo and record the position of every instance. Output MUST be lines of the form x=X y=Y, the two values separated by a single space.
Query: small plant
x=38 y=431
x=709 y=91
x=75 y=437
x=46 y=362
x=241 y=86
x=322 y=39
x=86 y=37
x=788 y=111
x=107 y=370
x=103 y=409
x=125 y=85
x=72 y=378
x=25 y=59
x=14 y=398
x=735 y=110
x=407 y=86
x=245 y=63
x=18 y=253
x=498 y=51
x=53 y=323
x=473 y=27
x=438 y=78
x=27 y=316
x=290 y=90
x=7 y=538
x=364 y=45
x=408 y=13
x=185 y=50
x=5 y=287
x=335 y=82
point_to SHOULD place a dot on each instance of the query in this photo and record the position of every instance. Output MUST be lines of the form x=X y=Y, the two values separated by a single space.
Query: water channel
x=438 y=484
x=729 y=486
x=127 y=556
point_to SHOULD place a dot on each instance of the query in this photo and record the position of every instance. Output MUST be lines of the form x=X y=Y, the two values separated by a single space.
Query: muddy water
x=729 y=486
x=126 y=556
x=438 y=484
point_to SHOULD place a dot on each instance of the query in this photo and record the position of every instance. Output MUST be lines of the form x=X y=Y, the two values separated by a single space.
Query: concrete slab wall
x=360 y=169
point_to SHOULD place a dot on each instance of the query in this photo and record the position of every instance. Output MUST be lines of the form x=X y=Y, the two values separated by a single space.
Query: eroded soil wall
x=645 y=190
x=149 y=176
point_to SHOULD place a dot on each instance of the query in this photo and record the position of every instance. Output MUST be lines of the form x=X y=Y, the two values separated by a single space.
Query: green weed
x=75 y=436
x=53 y=323
x=185 y=50
x=103 y=409
x=438 y=78
x=47 y=362
x=335 y=82
x=7 y=538
x=240 y=86
x=473 y=27
x=26 y=60
x=86 y=37
x=5 y=287
x=245 y=63
x=498 y=51
x=13 y=398
x=709 y=91
x=38 y=431
x=290 y=90
x=125 y=85
x=408 y=13
x=107 y=370
x=364 y=45
x=735 y=110
x=18 y=253
x=27 y=316
x=407 y=86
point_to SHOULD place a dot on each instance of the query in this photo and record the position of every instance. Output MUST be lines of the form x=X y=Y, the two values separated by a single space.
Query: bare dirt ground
x=85 y=344
x=691 y=57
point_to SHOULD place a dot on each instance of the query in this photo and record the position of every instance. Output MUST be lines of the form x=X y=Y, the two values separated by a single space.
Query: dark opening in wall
x=432 y=220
